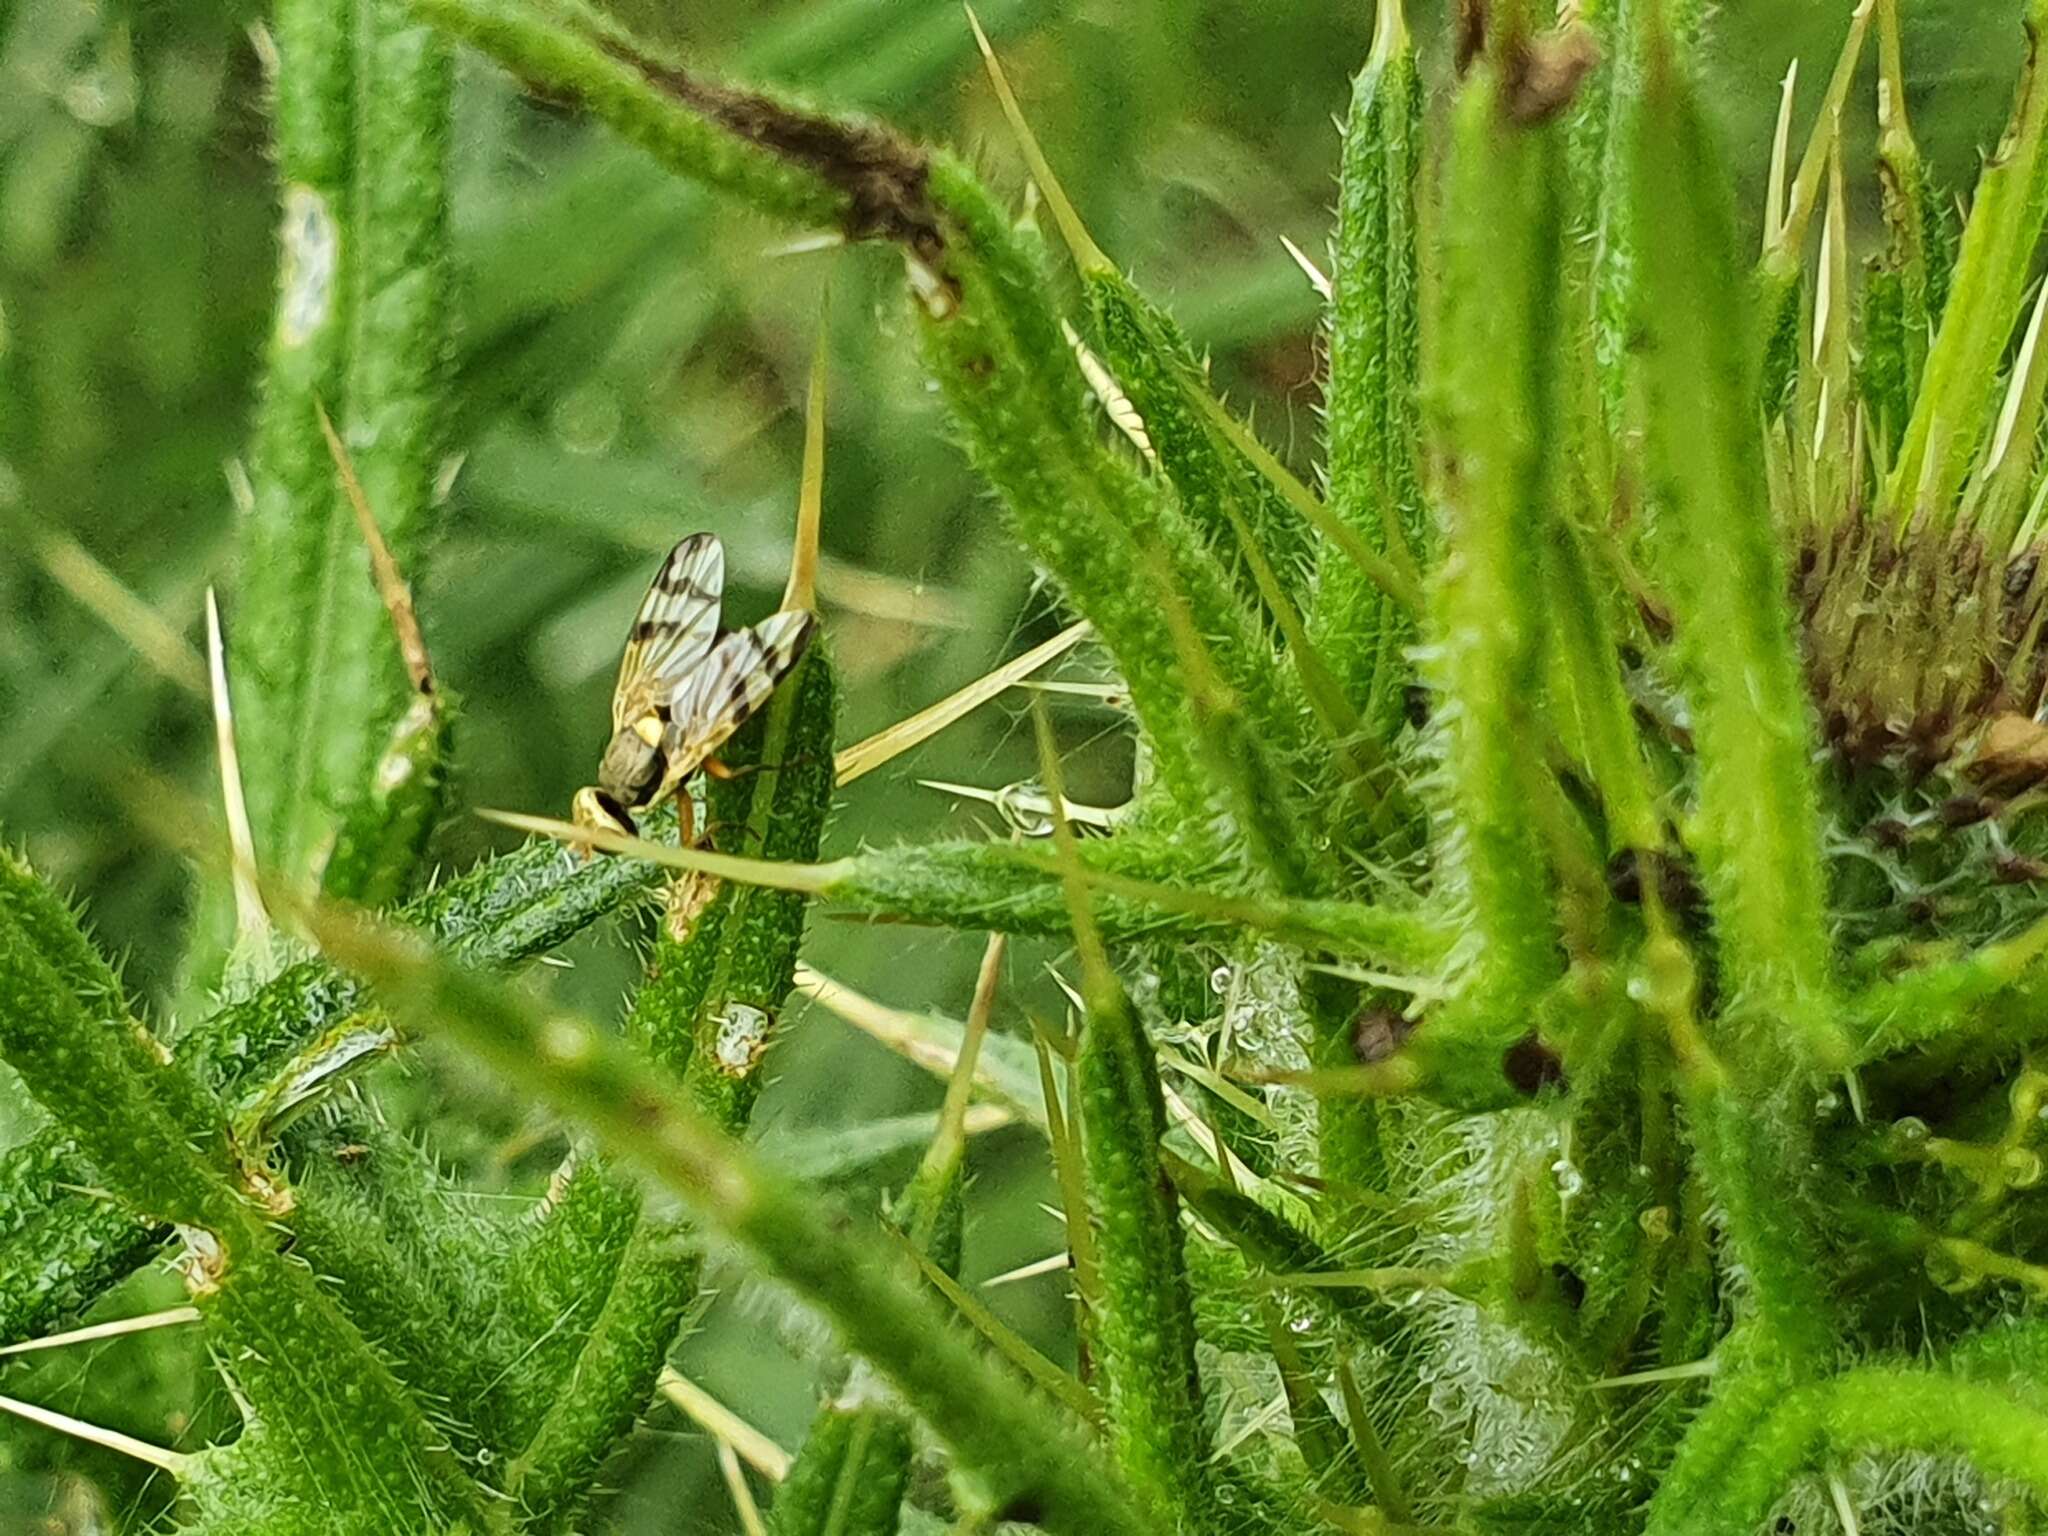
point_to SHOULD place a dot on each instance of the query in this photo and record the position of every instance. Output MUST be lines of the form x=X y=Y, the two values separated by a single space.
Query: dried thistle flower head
x=1924 y=655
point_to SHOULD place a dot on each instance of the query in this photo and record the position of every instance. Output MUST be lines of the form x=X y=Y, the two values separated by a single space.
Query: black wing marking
x=732 y=682
x=674 y=631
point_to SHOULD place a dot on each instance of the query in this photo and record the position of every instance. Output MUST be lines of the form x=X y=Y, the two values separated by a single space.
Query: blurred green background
x=631 y=366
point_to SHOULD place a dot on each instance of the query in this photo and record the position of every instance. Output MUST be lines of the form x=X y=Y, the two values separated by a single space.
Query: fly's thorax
x=632 y=767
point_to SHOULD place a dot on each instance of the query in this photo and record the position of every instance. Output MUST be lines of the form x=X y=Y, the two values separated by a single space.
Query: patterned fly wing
x=674 y=632
x=730 y=684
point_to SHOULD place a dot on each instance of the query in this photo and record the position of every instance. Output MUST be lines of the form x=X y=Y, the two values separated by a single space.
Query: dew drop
x=1569 y=1180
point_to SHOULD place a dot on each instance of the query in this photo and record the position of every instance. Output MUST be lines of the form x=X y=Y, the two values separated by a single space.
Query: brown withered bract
x=1923 y=654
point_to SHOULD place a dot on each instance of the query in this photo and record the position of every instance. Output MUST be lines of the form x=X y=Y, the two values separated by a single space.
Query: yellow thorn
x=2016 y=388
x=250 y=918
x=1781 y=142
x=802 y=591
x=1691 y=1370
x=1806 y=185
x=164 y=1459
x=1317 y=278
x=727 y=1427
x=391 y=582
x=864 y=757
x=951 y=1137
x=1014 y=804
x=1051 y=1264
x=169 y=1318
x=742 y=1496
x=1086 y=253
x=775 y=874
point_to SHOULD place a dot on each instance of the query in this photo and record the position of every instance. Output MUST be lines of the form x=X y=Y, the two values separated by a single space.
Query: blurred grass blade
x=127 y=614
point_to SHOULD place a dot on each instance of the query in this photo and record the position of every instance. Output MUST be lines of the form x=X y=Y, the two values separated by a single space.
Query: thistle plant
x=1551 y=1031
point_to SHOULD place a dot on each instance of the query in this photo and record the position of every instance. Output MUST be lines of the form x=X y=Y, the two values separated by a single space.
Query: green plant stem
x=1021 y=1453
x=1884 y=1409
x=308 y=1376
x=990 y=338
x=407 y=1261
x=1152 y=359
x=694 y=128
x=1758 y=825
x=61 y=1247
x=1145 y=1327
x=1373 y=417
x=361 y=330
x=975 y=885
x=925 y=885
x=1494 y=385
